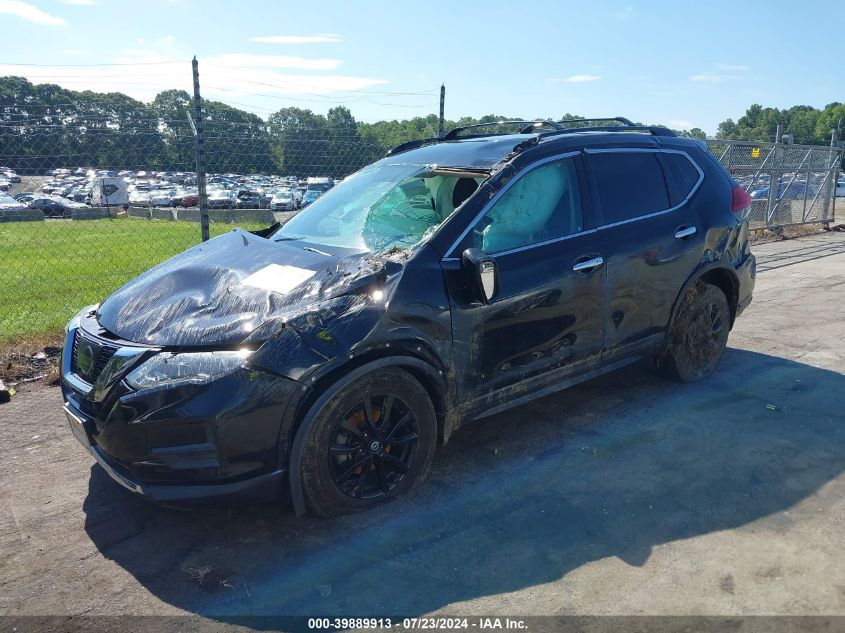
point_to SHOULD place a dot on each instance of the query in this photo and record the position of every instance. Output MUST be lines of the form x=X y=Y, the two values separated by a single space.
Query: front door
x=545 y=320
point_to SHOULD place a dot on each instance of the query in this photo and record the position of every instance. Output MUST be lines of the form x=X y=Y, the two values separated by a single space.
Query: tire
x=699 y=333
x=343 y=469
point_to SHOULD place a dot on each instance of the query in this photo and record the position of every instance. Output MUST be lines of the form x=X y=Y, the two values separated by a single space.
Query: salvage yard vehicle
x=222 y=199
x=54 y=206
x=452 y=279
x=283 y=200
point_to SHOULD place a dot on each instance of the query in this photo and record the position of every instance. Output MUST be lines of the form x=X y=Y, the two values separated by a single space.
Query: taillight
x=740 y=203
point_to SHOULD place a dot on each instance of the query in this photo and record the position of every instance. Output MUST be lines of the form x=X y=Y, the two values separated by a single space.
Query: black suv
x=452 y=279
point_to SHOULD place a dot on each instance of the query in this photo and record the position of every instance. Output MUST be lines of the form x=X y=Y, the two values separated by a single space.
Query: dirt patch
x=30 y=360
x=760 y=236
x=210 y=578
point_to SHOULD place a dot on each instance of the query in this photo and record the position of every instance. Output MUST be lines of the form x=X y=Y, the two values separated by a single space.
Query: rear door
x=545 y=320
x=651 y=238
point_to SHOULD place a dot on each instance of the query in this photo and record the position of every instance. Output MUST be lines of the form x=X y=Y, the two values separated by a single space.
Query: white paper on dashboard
x=278 y=278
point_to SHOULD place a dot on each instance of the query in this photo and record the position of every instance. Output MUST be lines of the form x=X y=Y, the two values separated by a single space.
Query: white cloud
x=80 y=3
x=577 y=79
x=271 y=61
x=681 y=124
x=317 y=38
x=734 y=67
x=29 y=12
x=162 y=65
x=713 y=77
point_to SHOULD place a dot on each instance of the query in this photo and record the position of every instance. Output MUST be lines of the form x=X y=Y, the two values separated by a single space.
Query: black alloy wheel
x=371 y=447
x=372 y=439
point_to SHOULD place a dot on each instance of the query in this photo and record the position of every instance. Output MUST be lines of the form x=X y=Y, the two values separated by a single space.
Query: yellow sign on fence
x=755 y=152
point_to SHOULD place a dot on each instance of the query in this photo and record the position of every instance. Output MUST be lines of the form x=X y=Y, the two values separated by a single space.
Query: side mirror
x=481 y=269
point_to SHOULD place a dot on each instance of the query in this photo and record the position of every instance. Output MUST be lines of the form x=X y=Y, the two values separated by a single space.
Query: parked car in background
x=191 y=199
x=54 y=206
x=840 y=188
x=283 y=200
x=161 y=198
x=222 y=199
x=10 y=175
x=309 y=197
x=249 y=200
x=319 y=183
x=785 y=190
x=176 y=197
x=9 y=204
x=139 y=199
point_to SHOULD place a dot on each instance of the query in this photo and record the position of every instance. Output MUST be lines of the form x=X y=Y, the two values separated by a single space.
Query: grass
x=48 y=270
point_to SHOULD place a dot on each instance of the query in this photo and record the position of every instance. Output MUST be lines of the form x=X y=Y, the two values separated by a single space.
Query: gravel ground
x=626 y=495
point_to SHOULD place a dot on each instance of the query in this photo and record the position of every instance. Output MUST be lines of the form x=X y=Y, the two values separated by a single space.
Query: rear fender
x=716 y=273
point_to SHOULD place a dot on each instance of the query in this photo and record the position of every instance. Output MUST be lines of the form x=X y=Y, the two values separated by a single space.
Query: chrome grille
x=100 y=352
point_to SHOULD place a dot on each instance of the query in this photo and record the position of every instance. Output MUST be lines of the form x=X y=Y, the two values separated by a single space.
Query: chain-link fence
x=96 y=189
x=92 y=194
x=789 y=184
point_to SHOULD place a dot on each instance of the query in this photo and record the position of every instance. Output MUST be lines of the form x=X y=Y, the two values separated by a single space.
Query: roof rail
x=620 y=119
x=558 y=127
x=528 y=127
x=655 y=130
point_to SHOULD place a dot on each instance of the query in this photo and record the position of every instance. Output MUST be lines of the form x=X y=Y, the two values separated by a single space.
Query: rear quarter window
x=683 y=173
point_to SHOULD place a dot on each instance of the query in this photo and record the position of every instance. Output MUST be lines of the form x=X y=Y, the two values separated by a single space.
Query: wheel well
x=727 y=283
x=408 y=362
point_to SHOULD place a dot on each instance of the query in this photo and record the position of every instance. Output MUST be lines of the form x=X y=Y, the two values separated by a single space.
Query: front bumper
x=181 y=442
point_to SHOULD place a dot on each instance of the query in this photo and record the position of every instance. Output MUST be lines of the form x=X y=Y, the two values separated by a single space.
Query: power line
x=92 y=65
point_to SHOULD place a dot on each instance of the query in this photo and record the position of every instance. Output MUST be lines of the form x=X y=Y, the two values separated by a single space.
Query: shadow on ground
x=800 y=251
x=609 y=468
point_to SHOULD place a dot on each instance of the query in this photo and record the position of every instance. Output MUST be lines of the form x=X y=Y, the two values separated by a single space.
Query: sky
x=683 y=64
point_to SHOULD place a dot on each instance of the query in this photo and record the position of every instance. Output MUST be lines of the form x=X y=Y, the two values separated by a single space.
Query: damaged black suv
x=452 y=279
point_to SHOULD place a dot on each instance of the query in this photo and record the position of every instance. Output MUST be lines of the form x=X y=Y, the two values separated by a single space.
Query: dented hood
x=235 y=288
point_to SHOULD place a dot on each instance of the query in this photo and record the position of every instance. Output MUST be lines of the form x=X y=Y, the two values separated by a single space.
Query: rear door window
x=629 y=184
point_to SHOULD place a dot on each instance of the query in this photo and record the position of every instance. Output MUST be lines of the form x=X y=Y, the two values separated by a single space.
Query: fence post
x=833 y=164
x=199 y=150
x=774 y=185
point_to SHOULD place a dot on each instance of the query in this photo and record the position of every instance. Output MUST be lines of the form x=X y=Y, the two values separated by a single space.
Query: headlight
x=186 y=368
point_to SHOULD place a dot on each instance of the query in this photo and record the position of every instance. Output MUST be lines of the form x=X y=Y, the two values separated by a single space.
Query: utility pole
x=199 y=150
x=442 y=104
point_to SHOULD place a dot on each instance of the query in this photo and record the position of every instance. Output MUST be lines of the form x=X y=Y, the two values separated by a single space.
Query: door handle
x=588 y=264
x=684 y=232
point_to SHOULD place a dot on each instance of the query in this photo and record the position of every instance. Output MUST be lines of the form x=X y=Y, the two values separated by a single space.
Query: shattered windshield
x=381 y=207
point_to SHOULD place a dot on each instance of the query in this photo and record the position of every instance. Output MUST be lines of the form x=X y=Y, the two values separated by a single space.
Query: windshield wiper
x=314 y=250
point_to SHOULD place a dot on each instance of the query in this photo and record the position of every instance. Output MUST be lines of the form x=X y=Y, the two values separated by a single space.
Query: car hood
x=234 y=289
